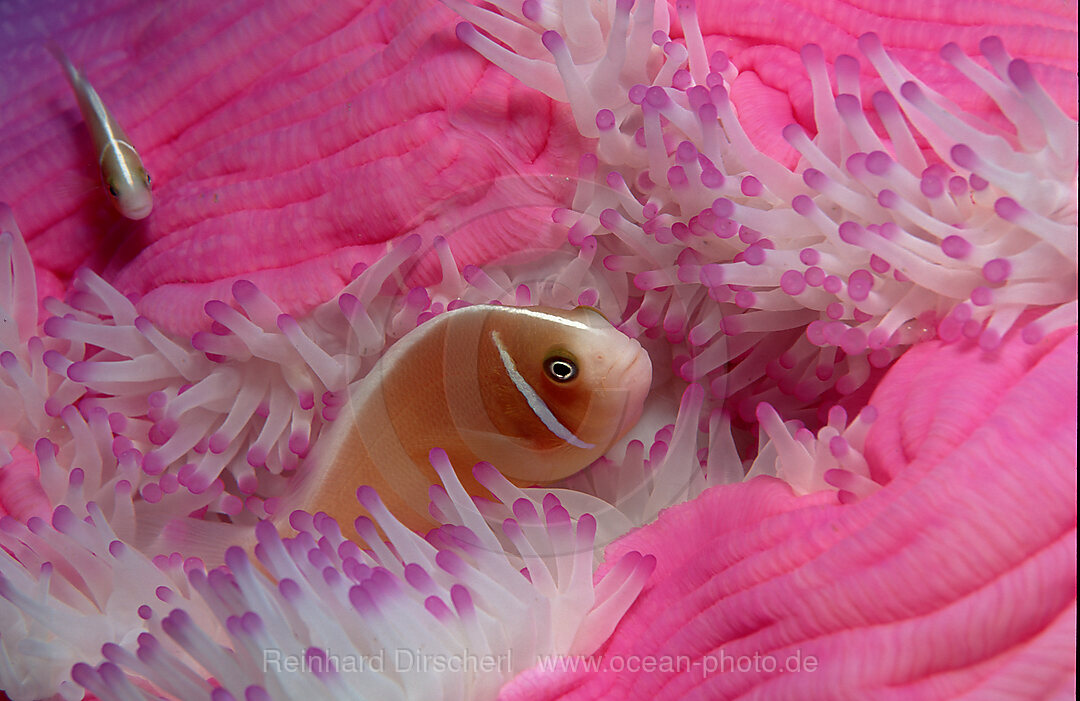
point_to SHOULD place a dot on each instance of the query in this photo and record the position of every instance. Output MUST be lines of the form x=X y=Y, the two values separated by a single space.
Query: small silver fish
x=539 y=393
x=122 y=173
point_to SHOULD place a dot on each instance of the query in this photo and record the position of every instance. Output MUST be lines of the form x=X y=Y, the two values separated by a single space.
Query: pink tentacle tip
x=847 y=65
x=911 y=92
x=878 y=339
x=271 y=505
x=117 y=549
x=869 y=42
x=257 y=456
x=299 y=444
x=218 y=443
x=586 y=528
x=964 y=156
x=792 y=282
x=878 y=162
x=1020 y=74
x=553 y=41
x=201 y=341
x=723 y=207
x=931 y=186
x=997 y=270
x=215 y=309
x=951 y=52
x=348 y=303
x=1032 y=334
x=851 y=232
x=81 y=371
x=815 y=179
x=368 y=497
x=718 y=61
x=76 y=477
x=956 y=247
x=802 y=205
x=45 y=449
x=989 y=339
x=751 y=186
x=812 y=54
x=888 y=199
x=54 y=326
x=153 y=464
x=982 y=296
x=198 y=483
x=848 y=105
x=486 y=474
x=465 y=32
x=991 y=46
x=287 y=324
x=1008 y=209
x=530 y=9
x=657 y=97
x=718 y=94
x=64 y=520
x=244 y=291
x=237 y=560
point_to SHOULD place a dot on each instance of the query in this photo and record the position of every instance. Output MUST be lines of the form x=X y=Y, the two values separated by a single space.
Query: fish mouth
x=138 y=212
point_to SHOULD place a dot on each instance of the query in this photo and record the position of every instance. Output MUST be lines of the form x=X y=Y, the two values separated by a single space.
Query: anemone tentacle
x=327 y=607
x=881 y=236
x=759 y=292
x=144 y=430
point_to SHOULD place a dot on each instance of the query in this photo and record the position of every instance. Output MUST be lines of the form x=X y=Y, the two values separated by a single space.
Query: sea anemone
x=832 y=269
x=772 y=285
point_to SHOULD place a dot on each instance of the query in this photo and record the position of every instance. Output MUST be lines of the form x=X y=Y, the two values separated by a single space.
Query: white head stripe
x=533 y=399
x=546 y=317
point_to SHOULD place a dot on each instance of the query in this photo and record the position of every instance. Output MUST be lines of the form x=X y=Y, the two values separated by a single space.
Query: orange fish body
x=539 y=393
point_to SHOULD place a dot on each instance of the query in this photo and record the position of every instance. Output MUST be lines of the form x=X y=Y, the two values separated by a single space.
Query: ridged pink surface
x=764 y=39
x=956 y=580
x=287 y=141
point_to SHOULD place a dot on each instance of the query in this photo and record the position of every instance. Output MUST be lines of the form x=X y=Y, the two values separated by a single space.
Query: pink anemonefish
x=539 y=393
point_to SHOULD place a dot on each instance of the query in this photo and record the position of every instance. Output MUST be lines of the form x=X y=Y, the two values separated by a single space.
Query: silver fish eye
x=113 y=191
x=147 y=179
x=560 y=369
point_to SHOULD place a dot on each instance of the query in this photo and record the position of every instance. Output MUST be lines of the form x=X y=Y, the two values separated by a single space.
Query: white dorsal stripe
x=546 y=317
x=115 y=145
x=534 y=401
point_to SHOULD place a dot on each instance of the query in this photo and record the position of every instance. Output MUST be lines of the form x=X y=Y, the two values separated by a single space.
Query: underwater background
x=855 y=476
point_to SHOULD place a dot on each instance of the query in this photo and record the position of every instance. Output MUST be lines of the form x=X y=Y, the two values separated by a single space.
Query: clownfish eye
x=113 y=191
x=560 y=368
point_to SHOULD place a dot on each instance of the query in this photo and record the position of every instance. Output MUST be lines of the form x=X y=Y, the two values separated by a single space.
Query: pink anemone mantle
x=296 y=150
